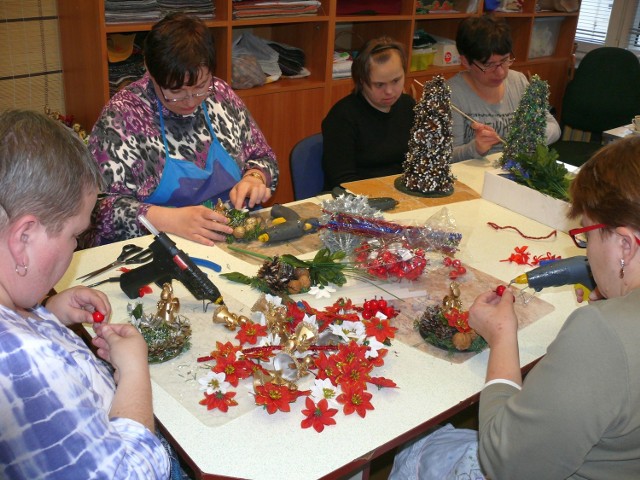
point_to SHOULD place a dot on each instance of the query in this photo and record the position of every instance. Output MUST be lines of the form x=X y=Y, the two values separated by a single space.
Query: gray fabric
x=578 y=413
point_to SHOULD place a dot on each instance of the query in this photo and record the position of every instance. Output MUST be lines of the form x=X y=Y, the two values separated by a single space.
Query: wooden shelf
x=291 y=109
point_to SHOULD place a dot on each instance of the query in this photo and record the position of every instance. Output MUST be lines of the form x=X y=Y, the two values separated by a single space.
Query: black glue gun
x=379 y=203
x=169 y=263
x=555 y=273
x=287 y=225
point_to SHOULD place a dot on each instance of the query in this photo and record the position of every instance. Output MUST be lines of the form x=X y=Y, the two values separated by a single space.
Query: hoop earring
x=22 y=268
x=621 y=268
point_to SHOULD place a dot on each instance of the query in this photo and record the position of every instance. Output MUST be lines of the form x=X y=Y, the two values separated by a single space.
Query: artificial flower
x=348 y=331
x=318 y=415
x=213 y=382
x=374 y=347
x=355 y=399
x=379 y=328
x=233 y=369
x=249 y=333
x=458 y=320
x=221 y=401
x=324 y=389
x=382 y=382
x=322 y=291
x=273 y=397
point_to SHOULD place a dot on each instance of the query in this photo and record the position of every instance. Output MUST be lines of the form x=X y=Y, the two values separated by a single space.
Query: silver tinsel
x=355 y=205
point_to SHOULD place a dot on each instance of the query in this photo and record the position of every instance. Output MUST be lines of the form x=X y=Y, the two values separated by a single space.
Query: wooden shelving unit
x=289 y=110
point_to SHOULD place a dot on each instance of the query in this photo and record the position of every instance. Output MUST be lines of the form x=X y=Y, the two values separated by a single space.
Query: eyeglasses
x=579 y=235
x=186 y=97
x=492 y=67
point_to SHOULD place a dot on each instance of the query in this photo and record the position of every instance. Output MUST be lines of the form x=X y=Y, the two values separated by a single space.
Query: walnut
x=294 y=286
x=239 y=232
x=462 y=341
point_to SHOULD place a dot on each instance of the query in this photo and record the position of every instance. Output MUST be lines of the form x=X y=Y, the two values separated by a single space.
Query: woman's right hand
x=197 y=223
x=486 y=137
x=494 y=317
x=123 y=346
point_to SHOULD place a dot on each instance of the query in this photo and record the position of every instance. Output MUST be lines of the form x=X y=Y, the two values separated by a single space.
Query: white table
x=260 y=446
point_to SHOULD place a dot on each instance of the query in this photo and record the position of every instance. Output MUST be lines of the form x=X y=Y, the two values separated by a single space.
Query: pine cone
x=431 y=325
x=276 y=274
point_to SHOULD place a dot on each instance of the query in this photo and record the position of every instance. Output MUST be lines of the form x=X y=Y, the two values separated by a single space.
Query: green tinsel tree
x=529 y=124
x=427 y=167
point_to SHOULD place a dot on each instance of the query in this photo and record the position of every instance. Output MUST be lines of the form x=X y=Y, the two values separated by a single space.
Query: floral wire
x=495 y=226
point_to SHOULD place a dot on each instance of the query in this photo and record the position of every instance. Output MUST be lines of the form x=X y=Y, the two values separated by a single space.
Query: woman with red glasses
x=487 y=90
x=577 y=415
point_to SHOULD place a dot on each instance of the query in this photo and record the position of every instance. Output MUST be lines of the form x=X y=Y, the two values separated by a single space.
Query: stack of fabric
x=205 y=9
x=274 y=8
x=290 y=59
x=342 y=64
x=123 y=11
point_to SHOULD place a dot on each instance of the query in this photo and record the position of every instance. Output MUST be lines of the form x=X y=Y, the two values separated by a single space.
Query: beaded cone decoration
x=529 y=124
x=427 y=167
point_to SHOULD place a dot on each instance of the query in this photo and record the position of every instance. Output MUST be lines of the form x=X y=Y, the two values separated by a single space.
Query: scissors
x=130 y=254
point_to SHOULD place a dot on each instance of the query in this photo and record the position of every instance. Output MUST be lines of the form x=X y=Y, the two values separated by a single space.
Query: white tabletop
x=256 y=445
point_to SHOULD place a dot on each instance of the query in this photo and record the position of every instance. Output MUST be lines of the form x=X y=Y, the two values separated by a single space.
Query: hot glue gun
x=287 y=225
x=555 y=273
x=169 y=263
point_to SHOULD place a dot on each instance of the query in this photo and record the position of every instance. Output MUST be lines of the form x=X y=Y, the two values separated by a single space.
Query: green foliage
x=541 y=171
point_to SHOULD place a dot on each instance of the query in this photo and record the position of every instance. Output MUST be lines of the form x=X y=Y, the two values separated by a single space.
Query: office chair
x=603 y=94
x=306 y=167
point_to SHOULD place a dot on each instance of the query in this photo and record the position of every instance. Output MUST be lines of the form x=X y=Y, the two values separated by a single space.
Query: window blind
x=593 y=21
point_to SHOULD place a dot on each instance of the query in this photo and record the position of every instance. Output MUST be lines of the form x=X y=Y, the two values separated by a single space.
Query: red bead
x=98 y=317
x=500 y=290
x=456 y=263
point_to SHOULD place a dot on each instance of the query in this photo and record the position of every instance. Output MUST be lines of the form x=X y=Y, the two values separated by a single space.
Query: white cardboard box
x=527 y=201
x=446 y=54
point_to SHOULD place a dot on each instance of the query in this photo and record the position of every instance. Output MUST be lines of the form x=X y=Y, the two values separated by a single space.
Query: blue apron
x=183 y=183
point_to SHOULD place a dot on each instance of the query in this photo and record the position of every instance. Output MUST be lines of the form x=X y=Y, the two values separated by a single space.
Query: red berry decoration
x=500 y=290
x=98 y=317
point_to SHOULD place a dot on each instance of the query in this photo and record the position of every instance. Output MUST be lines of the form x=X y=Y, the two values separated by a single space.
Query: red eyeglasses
x=579 y=235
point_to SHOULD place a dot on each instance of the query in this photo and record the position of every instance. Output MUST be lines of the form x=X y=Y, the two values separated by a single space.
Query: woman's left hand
x=77 y=304
x=251 y=188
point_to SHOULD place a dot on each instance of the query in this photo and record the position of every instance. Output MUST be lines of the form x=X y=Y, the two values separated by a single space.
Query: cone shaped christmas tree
x=427 y=167
x=529 y=125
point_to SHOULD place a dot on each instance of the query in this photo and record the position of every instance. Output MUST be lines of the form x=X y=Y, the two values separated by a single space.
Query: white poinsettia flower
x=325 y=389
x=322 y=291
x=270 y=339
x=273 y=299
x=374 y=345
x=349 y=331
x=213 y=382
x=311 y=320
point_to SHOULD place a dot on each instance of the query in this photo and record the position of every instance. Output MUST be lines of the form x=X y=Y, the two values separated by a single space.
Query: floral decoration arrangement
x=540 y=171
x=341 y=344
x=391 y=260
x=446 y=326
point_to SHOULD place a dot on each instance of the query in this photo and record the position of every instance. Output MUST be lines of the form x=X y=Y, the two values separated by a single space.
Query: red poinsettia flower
x=250 y=332
x=219 y=400
x=233 y=368
x=273 y=397
x=459 y=320
x=355 y=399
x=379 y=328
x=225 y=349
x=326 y=366
x=353 y=374
x=318 y=415
x=382 y=382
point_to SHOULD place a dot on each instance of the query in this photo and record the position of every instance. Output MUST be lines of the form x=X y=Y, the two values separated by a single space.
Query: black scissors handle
x=141 y=257
x=128 y=251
